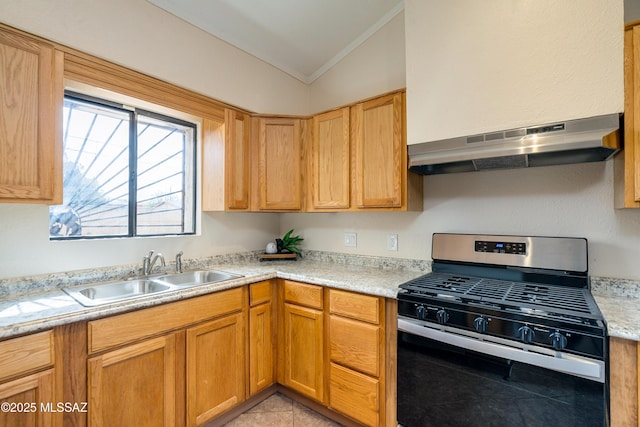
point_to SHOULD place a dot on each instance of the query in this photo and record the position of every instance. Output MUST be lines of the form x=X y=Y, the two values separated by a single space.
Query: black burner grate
x=507 y=293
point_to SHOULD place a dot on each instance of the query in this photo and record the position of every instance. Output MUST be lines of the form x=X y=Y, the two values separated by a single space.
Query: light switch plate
x=350 y=239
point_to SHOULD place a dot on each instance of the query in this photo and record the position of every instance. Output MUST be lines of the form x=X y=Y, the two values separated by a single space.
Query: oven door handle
x=561 y=362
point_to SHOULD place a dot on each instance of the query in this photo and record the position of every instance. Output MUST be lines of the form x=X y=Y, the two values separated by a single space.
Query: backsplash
x=21 y=286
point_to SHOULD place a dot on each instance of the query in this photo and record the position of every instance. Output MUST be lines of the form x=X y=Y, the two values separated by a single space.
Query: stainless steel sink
x=103 y=293
x=110 y=292
x=195 y=278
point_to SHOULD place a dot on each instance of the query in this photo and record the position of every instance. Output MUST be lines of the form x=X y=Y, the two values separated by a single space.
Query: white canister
x=271 y=248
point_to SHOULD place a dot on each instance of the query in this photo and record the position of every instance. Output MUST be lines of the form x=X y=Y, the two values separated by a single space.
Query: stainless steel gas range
x=503 y=331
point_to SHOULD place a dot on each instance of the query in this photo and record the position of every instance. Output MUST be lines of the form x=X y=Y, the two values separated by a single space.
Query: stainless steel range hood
x=575 y=141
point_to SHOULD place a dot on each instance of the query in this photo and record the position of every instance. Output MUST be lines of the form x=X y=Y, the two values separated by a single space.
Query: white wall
x=141 y=36
x=25 y=248
x=574 y=201
x=374 y=67
x=478 y=66
x=138 y=35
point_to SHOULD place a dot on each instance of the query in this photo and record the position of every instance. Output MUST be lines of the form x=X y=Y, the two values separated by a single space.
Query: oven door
x=440 y=384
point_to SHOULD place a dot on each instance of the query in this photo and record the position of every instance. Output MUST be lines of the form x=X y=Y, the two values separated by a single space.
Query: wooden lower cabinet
x=25 y=398
x=354 y=394
x=303 y=350
x=261 y=337
x=361 y=380
x=134 y=385
x=28 y=381
x=215 y=368
x=187 y=362
x=624 y=396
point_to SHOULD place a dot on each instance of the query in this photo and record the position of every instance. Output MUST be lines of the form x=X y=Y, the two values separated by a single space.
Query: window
x=127 y=172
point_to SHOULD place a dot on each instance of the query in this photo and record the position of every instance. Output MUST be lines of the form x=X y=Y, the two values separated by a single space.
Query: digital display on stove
x=501 y=247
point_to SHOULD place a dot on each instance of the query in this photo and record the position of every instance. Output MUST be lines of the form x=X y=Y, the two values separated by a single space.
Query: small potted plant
x=285 y=248
x=289 y=243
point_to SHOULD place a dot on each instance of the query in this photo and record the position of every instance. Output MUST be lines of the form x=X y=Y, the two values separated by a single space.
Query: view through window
x=127 y=172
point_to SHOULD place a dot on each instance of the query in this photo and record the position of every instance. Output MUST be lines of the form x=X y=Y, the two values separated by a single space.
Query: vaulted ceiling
x=303 y=38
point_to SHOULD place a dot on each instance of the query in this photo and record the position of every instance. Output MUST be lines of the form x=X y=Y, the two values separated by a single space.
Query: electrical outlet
x=350 y=239
x=392 y=242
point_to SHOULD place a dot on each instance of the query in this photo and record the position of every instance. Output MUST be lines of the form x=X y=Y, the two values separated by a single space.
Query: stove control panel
x=514 y=248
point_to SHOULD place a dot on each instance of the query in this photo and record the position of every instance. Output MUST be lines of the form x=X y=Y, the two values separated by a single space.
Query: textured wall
x=483 y=66
x=574 y=201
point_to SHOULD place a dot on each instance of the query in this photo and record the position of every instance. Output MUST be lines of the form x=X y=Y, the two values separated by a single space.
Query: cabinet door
x=303 y=353
x=330 y=177
x=380 y=152
x=237 y=160
x=27 y=395
x=261 y=372
x=135 y=385
x=215 y=368
x=354 y=394
x=279 y=164
x=31 y=92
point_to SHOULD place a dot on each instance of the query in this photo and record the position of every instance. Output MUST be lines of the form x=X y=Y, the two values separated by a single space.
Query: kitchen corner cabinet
x=167 y=364
x=329 y=175
x=624 y=365
x=226 y=162
x=262 y=338
x=279 y=158
x=27 y=381
x=31 y=98
x=301 y=353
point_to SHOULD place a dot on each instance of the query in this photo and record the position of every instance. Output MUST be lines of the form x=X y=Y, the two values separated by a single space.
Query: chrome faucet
x=179 y=262
x=149 y=261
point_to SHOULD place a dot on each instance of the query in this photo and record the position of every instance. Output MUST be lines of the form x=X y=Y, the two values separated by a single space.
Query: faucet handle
x=179 y=262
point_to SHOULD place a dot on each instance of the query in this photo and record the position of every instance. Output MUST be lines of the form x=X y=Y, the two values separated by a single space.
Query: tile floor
x=280 y=411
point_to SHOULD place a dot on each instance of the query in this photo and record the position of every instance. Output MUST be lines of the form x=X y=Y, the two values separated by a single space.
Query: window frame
x=132 y=211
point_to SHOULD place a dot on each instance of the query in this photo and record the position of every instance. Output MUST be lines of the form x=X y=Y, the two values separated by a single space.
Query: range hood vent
x=575 y=141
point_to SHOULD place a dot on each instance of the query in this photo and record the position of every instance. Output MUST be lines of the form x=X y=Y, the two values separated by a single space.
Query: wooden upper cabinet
x=237 y=159
x=279 y=163
x=31 y=98
x=330 y=161
x=380 y=178
x=226 y=162
x=627 y=164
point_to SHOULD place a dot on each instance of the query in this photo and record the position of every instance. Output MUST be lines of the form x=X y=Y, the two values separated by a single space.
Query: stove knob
x=558 y=341
x=526 y=334
x=480 y=324
x=421 y=312
x=442 y=316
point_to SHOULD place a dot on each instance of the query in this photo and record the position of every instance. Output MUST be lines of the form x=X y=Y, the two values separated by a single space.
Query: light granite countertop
x=39 y=303
x=619 y=302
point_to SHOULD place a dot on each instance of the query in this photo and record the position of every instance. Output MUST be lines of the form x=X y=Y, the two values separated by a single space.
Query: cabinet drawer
x=355 y=344
x=357 y=306
x=25 y=354
x=125 y=328
x=354 y=394
x=259 y=292
x=303 y=294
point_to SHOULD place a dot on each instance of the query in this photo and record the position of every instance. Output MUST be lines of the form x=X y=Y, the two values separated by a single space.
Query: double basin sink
x=110 y=292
